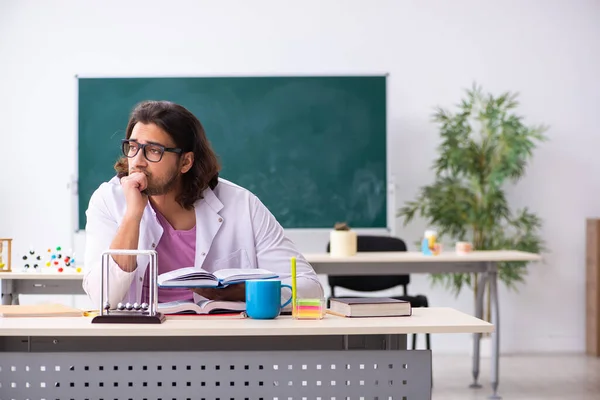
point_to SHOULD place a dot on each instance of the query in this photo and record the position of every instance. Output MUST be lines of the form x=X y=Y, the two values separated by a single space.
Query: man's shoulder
x=108 y=192
x=228 y=189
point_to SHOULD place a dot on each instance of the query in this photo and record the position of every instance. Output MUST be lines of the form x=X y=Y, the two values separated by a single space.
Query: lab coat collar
x=211 y=199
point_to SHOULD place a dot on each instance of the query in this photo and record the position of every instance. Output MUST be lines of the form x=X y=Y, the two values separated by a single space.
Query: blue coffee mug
x=263 y=298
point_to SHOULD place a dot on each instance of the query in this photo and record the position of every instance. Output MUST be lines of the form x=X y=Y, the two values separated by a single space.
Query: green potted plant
x=485 y=146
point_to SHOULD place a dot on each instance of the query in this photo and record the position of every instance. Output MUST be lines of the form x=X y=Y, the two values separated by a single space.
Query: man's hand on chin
x=235 y=292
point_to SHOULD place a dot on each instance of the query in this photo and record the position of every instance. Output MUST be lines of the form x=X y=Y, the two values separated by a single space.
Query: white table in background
x=16 y=283
x=223 y=358
x=485 y=263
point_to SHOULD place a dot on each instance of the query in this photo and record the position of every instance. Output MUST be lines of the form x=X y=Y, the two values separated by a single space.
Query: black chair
x=371 y=283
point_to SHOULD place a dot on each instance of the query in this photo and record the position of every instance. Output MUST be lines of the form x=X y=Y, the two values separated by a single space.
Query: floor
x=531 y=377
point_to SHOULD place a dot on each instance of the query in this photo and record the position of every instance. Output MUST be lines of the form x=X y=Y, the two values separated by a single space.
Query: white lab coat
x=233 y=228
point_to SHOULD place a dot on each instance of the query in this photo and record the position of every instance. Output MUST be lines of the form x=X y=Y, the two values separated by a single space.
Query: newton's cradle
x=129 y=313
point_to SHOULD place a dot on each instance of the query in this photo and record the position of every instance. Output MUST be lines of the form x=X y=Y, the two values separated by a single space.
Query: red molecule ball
x=60 y=269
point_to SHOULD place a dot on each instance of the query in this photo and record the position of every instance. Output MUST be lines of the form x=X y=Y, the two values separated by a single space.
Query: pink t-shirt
x=176 y=249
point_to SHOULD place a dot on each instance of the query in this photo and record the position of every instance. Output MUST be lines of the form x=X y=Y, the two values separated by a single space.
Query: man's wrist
x=133 y=217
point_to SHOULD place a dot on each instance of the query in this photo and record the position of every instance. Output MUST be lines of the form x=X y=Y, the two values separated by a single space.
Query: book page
x=221 y=306
x=186 y=273
x=179 y=306
x=240 y=274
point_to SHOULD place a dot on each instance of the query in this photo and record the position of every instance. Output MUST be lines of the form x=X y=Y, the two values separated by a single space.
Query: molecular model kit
x=54 y=260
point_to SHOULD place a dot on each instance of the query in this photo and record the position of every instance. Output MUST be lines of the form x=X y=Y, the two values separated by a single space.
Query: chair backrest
x=370 y=283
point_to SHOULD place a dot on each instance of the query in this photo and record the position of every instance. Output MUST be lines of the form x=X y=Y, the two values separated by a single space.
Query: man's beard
x=162 y=187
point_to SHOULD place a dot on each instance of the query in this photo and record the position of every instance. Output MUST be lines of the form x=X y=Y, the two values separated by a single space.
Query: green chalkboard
x=313 y=149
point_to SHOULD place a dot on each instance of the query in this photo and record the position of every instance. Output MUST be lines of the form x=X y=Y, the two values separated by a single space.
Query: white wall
x=547 y=50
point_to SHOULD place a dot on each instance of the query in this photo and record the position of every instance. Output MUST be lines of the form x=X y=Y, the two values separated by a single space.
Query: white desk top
x=414 y=256
x=41 y=275
x=423 y=320
x=365 y=257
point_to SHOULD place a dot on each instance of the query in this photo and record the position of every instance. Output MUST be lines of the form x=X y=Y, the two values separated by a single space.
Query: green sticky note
x=308 y=302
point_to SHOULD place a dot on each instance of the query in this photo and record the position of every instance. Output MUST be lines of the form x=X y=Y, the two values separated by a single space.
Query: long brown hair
x=188 y=134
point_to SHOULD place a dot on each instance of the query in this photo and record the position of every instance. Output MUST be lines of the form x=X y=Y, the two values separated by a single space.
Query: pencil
x=293 y=285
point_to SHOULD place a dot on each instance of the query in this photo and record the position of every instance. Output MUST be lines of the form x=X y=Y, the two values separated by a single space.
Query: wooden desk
x=423 y=320
x=232 y=359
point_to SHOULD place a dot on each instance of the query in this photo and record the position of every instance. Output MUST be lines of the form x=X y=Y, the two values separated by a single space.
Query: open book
x=202 y=307
x=192 y=277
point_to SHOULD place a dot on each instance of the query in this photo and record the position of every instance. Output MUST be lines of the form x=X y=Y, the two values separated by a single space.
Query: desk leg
x=6 y=299
x=477 y=336
x=8 y=296
x=10 y=299
x=496 y=334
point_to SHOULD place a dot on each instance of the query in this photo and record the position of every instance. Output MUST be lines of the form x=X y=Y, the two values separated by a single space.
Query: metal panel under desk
x=232 y=375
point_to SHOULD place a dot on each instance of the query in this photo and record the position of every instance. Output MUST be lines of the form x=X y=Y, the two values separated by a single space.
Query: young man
x=167 y=196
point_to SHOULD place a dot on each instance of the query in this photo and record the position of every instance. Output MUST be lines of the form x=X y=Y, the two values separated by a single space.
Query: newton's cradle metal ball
x=128 y=306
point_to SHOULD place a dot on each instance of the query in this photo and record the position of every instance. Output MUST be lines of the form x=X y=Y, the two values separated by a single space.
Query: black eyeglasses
x=152 y=152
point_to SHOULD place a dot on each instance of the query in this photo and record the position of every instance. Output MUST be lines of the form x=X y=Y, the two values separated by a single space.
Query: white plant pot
x=342 y=243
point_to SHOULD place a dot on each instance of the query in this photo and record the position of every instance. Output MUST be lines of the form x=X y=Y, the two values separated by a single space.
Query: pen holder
x=309 y=308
